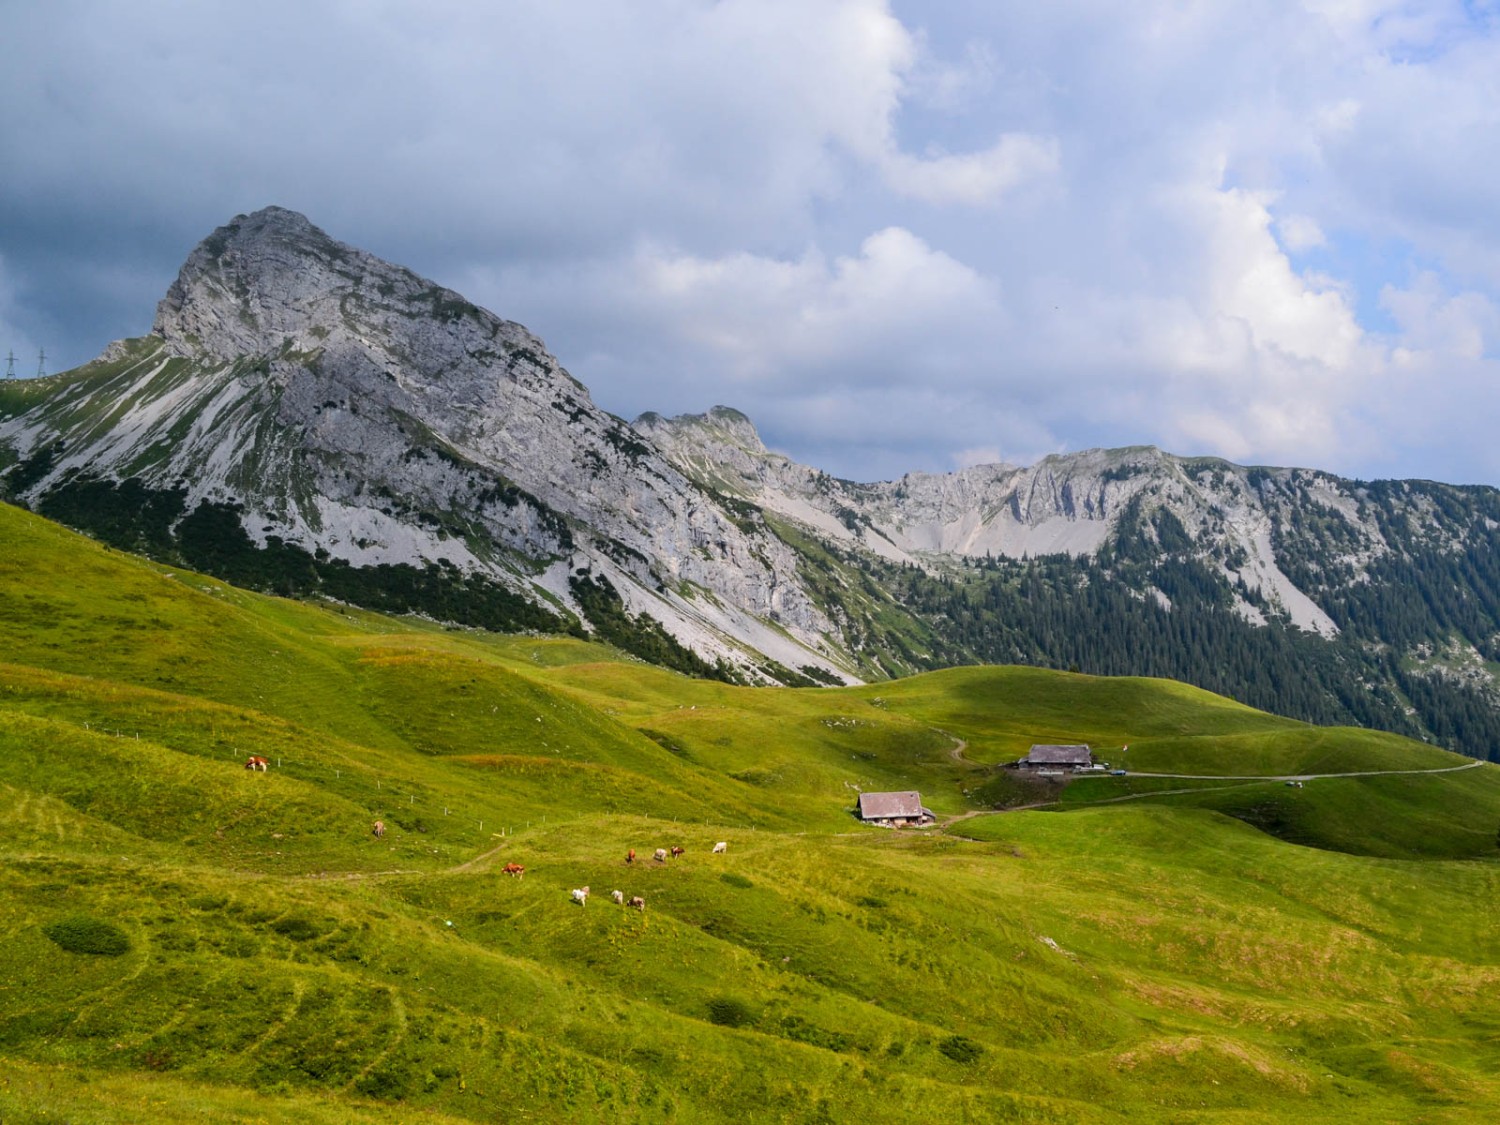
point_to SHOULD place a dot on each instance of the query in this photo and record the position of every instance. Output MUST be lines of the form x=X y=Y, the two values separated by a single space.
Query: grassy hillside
x=186 y=940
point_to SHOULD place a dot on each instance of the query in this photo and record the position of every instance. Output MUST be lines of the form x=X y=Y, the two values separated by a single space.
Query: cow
x=661 y=855
x=581 y=896
x=676 y=851
x=630 y=856
x=721 y=847
x=256 y=762
x=515 y=870
x=637 y=901
x=378 y=828
x=618 y=896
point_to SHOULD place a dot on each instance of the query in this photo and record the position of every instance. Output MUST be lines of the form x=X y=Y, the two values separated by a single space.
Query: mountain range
x=308 y=419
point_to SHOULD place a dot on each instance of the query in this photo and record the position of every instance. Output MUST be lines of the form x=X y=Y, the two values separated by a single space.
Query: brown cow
x=256 y=762
x=378 y=828
x=637 y=901
x=514 y=870
x=676 y=851
x=630 y=856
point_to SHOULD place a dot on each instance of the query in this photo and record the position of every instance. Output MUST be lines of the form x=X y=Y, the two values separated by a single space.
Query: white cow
x=721 y=847
x=618 y=896
x=581 y=896
x=661 y=855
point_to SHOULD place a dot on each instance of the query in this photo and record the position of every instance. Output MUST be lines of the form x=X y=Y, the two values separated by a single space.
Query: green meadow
x=186 y=940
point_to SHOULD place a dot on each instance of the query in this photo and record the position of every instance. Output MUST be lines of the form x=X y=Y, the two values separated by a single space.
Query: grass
x=1180 y=956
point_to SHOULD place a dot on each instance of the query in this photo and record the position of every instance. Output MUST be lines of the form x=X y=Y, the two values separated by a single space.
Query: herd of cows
x=580 y=895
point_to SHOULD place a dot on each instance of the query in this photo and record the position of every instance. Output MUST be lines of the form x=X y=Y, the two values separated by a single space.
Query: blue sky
x=898 y=235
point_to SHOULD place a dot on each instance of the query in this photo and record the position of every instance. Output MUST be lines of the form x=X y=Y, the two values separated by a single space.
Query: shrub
x=296 y=928
x=729 y=1012
x=960 y=1048
x=82 y=934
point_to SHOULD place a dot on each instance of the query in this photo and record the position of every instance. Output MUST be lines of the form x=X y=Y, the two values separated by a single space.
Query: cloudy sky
x=900 y=235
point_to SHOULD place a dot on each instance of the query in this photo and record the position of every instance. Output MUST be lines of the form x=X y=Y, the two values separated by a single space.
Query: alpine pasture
x=186 y=940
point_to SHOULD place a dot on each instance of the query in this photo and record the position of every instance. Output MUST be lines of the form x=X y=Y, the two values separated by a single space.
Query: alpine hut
x=1057 y=757
x=894 y=810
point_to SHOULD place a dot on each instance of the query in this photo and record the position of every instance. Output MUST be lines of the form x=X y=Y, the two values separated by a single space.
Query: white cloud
x=1299 y=233
x=978 y=455
x=1463 y=326
x=976 y=178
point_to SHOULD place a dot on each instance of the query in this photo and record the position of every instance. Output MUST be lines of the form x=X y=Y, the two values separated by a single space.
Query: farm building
x=894 y=810
x=1057 y=757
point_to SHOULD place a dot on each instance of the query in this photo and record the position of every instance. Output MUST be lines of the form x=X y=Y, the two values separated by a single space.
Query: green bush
x=729 y=1012
x=296 y=928
x=82 y=934
x=960 y=1048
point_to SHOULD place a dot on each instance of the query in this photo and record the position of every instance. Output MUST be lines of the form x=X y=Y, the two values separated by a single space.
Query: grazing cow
x=661 y=855
x=515 y=870
x=721 y=847
x=378 y=828
x=256 y=762
x=581 y=896
x=630 y=856
x=618 y=896
x=637 y=901
x=676 y=851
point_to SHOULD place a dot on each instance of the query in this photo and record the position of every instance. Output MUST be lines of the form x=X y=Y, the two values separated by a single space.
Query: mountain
x=308 y=419
x=336 y=409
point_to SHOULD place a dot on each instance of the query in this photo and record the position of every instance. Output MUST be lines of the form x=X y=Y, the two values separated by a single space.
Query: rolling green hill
x=186 y=940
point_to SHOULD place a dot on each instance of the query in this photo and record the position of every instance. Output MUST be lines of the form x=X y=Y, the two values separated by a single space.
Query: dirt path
x=469 y=865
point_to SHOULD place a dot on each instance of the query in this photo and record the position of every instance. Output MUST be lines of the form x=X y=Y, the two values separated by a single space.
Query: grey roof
x=1060 y=756
x=889 y=806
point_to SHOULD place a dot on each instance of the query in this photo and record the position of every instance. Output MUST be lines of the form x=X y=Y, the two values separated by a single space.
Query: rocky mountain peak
x=271 y=278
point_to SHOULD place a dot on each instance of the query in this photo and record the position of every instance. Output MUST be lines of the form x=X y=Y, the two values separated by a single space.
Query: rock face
x=1065 y=504
x=354 y=408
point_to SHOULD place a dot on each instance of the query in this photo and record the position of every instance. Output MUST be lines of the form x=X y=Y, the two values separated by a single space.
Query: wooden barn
x=1057 y=757
x=894 y=810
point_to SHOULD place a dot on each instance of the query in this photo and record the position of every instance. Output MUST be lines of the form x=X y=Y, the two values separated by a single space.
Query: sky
x=899 y=235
